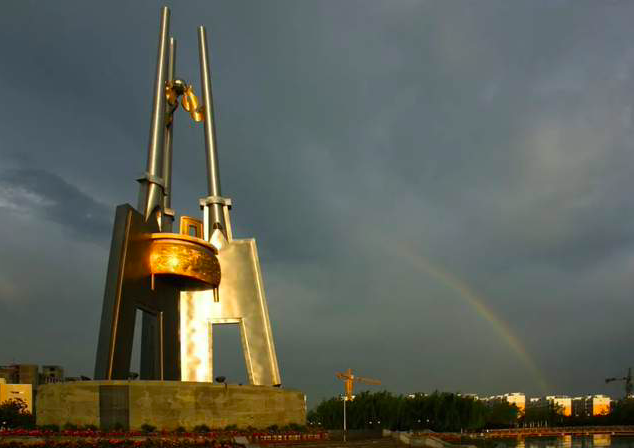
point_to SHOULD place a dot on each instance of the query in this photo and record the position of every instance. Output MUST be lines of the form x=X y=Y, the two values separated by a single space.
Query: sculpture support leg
x=128 y=289
x=242 y=301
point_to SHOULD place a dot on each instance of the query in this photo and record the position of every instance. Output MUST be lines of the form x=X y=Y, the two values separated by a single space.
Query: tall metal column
x=213 y=206
x=168 y=213
x=151 y=190
x=155 y=189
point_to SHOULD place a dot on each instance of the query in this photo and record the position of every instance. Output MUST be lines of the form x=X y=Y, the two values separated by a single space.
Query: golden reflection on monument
x=196 y=353
x=187 y=282
x=186 y=258
x=184 y=284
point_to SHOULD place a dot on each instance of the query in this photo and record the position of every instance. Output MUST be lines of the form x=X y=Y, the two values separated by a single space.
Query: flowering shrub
x=14 y=414
x=147 y=428
x=198 y=431
x=119 y=443
x=180 y=438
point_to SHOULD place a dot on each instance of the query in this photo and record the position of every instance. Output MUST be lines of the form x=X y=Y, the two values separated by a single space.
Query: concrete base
x=167 y=405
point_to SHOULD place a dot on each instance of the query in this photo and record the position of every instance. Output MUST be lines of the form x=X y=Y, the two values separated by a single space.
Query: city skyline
x=440 y=192
x=30 y=374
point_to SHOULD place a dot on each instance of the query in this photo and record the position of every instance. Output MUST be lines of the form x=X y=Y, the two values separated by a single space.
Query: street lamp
x=222 y=380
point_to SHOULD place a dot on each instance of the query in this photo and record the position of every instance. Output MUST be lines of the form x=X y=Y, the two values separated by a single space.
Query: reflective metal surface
x=214 y=211
x=188 y=282
x=168 y=213
x=189 y=100
x=191 y=260
x=242 y=302
x=151 y=190
x=191 y=105
x=128 y=289
x=191 y=226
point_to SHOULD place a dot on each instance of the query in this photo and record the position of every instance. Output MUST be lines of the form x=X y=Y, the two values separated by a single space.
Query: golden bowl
x=190 y=262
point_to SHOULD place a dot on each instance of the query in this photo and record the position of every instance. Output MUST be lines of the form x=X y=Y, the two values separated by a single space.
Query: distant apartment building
x=417 y=394
x=534 y=402
x=22 y=392
x=518 y=399
x=579 y=407
x=561 y=402
x=515 y=398
x=30 y=374
x=591 y=405
x=598 y=404
x=20 y=374
x=52 y=374
x=6 y=375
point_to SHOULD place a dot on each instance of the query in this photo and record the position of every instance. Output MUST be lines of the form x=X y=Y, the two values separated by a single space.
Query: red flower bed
x=112 y=442
x=264 y=438
x=83 y=438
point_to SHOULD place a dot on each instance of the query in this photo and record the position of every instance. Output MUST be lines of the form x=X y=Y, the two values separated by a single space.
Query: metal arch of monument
x=184 y=283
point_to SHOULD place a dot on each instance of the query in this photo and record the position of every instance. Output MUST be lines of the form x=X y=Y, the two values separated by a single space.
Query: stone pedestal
x=167 y=405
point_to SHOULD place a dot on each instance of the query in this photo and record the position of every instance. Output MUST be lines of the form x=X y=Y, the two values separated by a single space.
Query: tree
x=14 y=414
x=438 y=412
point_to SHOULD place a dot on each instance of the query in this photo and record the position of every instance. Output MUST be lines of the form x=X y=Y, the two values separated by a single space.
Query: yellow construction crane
x=349 y=380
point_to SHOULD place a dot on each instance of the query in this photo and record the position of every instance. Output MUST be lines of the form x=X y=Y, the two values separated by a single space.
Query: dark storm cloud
x=492 y=139
x=44 y=195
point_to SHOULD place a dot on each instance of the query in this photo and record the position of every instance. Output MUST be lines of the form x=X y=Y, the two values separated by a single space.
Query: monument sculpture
x=184 y=283
x=187 y=282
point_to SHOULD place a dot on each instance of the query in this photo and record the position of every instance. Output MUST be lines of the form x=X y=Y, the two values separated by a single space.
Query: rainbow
x=480 y=306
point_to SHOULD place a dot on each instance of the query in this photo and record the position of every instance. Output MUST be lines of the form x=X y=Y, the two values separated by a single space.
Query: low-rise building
x=28 y=374
x=22 y=392
x=518 y=399
x=21 y=374
x=562 y=403
x=591 y=405
x=598 y=404
x=52 y=374
x=8 y=374
x=417 y=394
x=579 y=407
x=515 y=398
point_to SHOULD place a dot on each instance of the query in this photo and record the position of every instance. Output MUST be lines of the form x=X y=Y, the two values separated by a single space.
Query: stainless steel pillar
x=155 y=195
x=213 y=208
x=151 y=190
x=168 y=213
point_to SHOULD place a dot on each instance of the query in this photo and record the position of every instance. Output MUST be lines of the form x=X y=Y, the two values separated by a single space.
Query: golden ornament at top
x=189 y=101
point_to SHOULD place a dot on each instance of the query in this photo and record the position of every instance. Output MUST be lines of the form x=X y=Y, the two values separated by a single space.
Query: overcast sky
x=441 y=191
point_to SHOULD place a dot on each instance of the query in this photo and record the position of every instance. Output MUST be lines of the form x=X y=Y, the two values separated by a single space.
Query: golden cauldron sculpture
x=184 y=283
x=189 y=261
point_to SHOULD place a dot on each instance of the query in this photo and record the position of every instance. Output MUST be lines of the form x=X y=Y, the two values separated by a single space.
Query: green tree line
x=448 y=412
x=440 y=411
